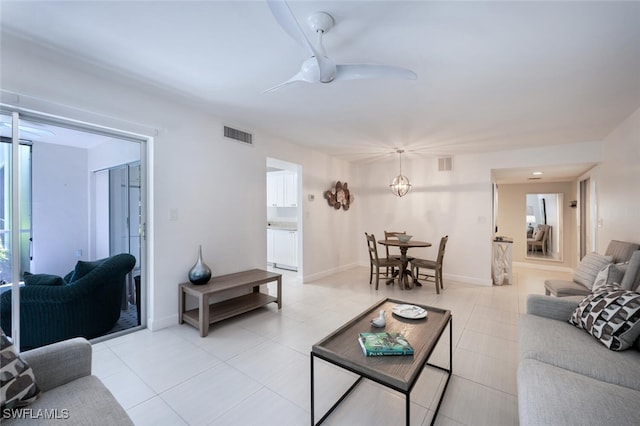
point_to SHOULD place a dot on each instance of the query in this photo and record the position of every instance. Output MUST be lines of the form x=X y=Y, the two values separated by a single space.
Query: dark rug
x=128 y=319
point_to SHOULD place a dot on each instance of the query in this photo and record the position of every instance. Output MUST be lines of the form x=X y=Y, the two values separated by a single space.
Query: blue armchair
x=88 y=305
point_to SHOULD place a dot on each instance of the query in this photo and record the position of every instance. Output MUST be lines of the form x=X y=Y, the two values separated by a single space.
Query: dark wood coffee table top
x=342 y=348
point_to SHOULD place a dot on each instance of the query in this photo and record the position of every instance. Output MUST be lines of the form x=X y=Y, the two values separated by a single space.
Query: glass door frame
x=17 y=114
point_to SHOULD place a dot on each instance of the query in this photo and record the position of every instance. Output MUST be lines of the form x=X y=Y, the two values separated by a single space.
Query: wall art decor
x=339 y=197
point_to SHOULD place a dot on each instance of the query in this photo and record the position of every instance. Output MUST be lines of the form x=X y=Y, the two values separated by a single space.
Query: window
x=5 y=208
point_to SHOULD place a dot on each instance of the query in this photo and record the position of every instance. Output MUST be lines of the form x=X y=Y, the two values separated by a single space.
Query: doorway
x=56 y=202
x=284 y=216
x=586 y=234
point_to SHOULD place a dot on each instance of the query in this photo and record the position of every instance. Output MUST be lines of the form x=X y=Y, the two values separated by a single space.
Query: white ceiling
x=558 y=173
x=491 y=75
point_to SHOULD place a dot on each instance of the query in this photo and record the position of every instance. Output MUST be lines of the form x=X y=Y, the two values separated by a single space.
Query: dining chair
x=435 y=265
x=539 y=239
x=375 y=261
x=388 y=235
x=393 y=235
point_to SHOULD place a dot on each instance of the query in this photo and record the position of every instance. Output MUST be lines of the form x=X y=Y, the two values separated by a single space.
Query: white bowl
x=404 y=238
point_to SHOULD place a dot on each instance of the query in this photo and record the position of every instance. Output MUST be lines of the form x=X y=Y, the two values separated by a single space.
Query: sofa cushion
x=588 y=268
x=83 y=268
x=610 y=274
x=43 y=279
x=549 y=395
x=563 y=288
x=611 y=315
x=631 y=278
x=84 y=401
x=19 y=386
x=620 y=251
x=563 y=345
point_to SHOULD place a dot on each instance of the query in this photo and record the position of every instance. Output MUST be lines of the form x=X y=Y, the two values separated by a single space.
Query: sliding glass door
x=50 y=212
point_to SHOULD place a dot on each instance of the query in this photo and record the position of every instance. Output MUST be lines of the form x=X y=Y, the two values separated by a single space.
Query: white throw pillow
x=589 y=267
x=610 y=274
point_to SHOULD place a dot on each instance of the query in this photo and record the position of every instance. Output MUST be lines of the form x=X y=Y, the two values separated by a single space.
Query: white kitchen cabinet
x=275 y=194
x=282 y=189
x=270 y=246
x=285 y=249
x=290 y=181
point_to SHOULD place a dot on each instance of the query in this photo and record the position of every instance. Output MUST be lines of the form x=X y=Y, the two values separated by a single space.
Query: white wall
x=618 y=185
x=60 y=208
x=214 y=186
x=113 y=152
x=456 y=203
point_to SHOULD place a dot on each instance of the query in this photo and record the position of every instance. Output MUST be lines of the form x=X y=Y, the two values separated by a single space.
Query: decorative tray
x=409 y=311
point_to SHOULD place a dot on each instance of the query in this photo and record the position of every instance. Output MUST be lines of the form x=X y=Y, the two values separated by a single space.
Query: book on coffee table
x=381 y=344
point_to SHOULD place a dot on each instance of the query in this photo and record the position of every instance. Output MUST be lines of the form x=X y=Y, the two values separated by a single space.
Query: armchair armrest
x=558 y=308
x=59 y=363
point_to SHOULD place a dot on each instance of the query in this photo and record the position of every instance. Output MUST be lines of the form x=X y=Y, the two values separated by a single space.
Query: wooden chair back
x=391 y=235
x=441 y=249
x=373 y=248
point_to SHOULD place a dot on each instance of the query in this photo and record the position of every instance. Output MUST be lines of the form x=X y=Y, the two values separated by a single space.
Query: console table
x=501 y=269
x=206 y=313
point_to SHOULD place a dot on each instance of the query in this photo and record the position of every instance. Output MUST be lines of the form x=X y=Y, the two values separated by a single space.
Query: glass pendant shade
x=400 y=184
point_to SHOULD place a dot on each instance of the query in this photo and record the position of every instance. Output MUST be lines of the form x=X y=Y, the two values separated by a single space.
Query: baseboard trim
x=168 y=321
x=328 y=272
x=485 y=282
x=543 y=267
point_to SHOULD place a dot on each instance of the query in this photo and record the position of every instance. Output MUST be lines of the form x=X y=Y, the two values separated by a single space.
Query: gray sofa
x=620 y=253
x=70 y=393
x=567 y=377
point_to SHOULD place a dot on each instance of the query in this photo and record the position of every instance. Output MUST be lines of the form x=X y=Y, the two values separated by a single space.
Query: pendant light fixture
x=400 y=185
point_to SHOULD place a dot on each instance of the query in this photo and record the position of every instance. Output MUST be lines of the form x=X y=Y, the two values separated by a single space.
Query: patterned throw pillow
x=588 y=269
x=18 y=382
x=611 y=315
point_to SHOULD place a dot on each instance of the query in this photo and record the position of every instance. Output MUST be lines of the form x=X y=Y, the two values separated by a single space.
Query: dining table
x=405 y=272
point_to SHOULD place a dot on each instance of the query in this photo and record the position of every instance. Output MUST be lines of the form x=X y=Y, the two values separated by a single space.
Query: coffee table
x=399 y=373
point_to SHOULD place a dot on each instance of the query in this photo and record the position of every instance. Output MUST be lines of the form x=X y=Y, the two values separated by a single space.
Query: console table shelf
x=206 y=314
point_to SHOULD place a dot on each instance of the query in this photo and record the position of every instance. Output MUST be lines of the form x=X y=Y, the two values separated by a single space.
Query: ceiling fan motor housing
x=320 y=21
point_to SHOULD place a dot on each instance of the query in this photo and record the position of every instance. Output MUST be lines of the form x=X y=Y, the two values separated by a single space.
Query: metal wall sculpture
x=340 y=197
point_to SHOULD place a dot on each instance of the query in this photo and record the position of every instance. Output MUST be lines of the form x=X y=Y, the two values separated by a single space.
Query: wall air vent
x=445 y=164
x=238 y=135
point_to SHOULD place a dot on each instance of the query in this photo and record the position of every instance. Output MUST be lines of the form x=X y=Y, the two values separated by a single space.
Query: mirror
x=544 y=226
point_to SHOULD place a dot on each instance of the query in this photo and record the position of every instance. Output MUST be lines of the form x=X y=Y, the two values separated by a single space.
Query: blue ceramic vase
x=200 y=273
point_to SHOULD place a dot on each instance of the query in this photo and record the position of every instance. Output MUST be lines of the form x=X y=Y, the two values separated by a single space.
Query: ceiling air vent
x=238 y=135
x=445 y=164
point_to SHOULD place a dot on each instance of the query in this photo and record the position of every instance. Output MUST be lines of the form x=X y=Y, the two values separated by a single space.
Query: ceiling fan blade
x=296 y=78
x=366 y=71
x=281 y=11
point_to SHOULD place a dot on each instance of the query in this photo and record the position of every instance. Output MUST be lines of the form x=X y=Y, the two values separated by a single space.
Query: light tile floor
x=254 y=369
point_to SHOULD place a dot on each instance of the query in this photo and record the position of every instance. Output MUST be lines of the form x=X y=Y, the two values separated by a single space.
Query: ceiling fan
x=319 y=68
